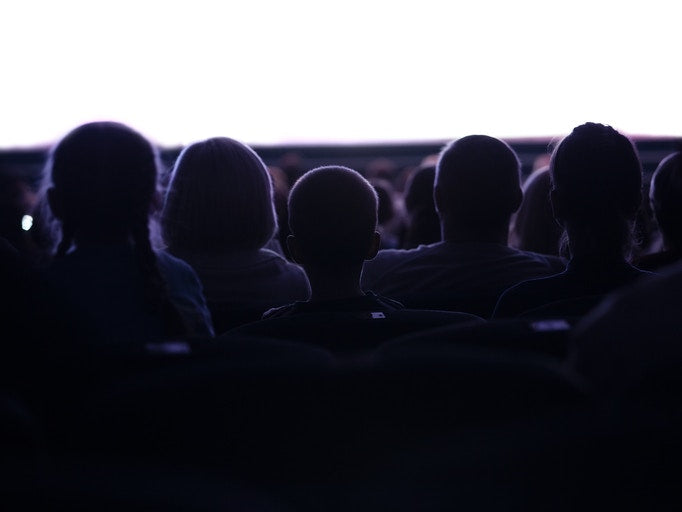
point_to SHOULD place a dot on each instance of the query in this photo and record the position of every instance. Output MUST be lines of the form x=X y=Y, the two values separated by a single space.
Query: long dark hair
x=106 y=175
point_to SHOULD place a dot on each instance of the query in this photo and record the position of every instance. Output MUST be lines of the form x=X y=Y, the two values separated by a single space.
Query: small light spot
x=26 y=222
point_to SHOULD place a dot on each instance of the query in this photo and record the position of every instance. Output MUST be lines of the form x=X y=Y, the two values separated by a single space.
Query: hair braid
x=66 y=241
x=156 y=292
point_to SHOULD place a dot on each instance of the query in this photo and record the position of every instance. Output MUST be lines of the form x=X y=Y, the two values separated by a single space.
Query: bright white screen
x=294 y=71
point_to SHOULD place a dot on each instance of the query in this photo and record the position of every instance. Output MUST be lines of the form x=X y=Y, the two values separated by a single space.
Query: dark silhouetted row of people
x=483 y=342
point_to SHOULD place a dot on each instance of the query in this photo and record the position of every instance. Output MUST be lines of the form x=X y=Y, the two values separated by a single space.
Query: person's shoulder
x=170 y=263
x=387 y=256
x=520 y=297
x=178 y=274
x=277 y=259
x=548 y=259
x=385 y=303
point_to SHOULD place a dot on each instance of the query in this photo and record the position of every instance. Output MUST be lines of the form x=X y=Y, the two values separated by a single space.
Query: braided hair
x=106 y=174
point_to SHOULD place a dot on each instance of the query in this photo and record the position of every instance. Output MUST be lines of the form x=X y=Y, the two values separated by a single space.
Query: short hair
x=598 y=171
x=220 y=197
x=665 y=195
x=479 y=180
x=333 y=215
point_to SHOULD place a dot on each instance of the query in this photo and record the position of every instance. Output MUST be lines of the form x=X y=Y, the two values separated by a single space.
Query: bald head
x=477 y=186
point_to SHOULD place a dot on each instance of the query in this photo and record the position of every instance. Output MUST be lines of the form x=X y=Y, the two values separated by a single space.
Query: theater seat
x=347 y=332
x=548 y=336
x=572 y=309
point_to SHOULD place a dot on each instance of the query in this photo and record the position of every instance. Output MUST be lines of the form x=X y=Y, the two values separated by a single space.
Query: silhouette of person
x=101 y=179
x=596 y=192
x=477 y=189
x=665 y=195
x=333 y=222
x=219 y=217
x=423 y=224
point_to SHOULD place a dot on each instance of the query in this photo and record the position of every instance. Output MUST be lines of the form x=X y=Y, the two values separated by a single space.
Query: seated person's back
x=102 y=180
x=477 y=189
x=333 y=219
x=596 y=192
x=219 y=217
x=665 y=195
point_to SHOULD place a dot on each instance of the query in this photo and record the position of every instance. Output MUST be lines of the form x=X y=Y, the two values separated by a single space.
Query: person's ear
x=294 y=249
x=54 y=199
x=374 y=246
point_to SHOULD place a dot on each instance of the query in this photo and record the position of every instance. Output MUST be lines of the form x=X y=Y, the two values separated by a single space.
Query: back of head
x=534 y=227
x=419 y=189
x=478 y=183
x=598 y=172
x=333 y=215
x=666 y=198
x=104 y=178
x=596 y=187
x=385 y=192
x=219 y=199
x=423 y=222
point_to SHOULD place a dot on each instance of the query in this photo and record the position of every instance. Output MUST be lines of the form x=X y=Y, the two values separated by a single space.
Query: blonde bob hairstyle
x=219 y=199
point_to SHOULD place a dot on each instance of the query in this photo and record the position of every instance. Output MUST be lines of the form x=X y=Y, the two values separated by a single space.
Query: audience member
x=477 y=189
x=534 y=227
x=333 y=222
x=665 y=195
x=218 y=217
x=101 y=180
x=423 y=224
x=388 y=220
x=596 y=192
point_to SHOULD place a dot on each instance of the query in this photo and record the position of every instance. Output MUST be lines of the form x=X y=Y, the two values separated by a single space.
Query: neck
x=595 y=244
x=333 y=284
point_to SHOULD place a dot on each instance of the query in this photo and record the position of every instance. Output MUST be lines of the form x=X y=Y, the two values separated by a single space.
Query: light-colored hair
x=333 y=215
x=219 y=199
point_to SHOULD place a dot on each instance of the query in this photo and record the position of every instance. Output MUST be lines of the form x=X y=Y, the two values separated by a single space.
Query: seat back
x=355 y=331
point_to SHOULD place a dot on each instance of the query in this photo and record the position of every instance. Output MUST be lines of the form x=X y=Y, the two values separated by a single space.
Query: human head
x=219 y=199
x=386 y=208
x=534 y=227
x=333 y=219
x=423 y=222
x=477 y=186
x=596 y=185
x=665 y=195
x=102 y=180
